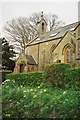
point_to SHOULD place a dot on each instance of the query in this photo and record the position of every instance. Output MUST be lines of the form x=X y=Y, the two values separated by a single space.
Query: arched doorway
x=21 y=68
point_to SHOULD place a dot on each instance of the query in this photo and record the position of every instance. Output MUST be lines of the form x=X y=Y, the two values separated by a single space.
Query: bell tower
x=42 y=25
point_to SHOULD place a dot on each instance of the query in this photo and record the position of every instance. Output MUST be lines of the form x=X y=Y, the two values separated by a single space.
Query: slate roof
x=55 y=34
x=30 y=59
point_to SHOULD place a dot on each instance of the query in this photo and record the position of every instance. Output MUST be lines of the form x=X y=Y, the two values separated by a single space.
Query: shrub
x=27 y=79
x=27 y=102
x=25 y=97
x=4 y=73
x=55 y=74
x=72 y=77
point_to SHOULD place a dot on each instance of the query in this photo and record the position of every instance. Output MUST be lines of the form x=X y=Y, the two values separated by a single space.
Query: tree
x=21 y=30
x=52 y=20
x=7 y=54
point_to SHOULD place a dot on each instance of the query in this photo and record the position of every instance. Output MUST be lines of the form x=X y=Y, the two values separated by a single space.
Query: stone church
x=61 y=45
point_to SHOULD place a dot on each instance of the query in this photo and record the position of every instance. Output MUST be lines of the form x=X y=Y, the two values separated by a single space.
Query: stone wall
x=41 y=52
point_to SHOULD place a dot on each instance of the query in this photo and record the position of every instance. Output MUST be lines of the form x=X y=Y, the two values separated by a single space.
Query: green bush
x=72 y=77
x=4 y=73
x=27 y=79
x=55 y=74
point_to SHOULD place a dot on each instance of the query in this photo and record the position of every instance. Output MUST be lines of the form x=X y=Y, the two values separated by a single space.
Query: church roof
x=30 y=60
x=55 y=34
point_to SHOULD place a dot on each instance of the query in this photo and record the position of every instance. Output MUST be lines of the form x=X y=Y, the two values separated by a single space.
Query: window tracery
x=68 y=52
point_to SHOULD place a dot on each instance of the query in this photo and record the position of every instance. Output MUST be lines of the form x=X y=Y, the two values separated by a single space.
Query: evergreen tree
x=7 y=55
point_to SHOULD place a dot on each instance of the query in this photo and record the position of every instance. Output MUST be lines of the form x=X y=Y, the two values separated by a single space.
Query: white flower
x=64 y=92
x=38 y=86
x=31 y=90
x=45 y=90
x=34 y=96
x=24 y=91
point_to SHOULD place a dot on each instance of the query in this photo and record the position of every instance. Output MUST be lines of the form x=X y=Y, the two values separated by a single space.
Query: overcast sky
x=66 y=10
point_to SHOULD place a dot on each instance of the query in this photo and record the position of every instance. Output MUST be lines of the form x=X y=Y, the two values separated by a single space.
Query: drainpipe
x=78 y=39
x=38 y=57
x=78 y=52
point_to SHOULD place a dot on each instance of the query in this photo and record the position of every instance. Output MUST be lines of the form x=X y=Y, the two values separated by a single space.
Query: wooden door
x=21 y=68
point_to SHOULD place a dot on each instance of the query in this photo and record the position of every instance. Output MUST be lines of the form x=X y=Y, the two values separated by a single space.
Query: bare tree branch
x=22 y=30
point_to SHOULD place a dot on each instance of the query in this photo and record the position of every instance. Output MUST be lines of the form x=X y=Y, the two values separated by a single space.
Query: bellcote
x=42 y=25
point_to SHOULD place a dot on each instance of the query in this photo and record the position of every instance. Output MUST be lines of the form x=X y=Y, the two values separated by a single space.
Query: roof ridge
x=66 y=25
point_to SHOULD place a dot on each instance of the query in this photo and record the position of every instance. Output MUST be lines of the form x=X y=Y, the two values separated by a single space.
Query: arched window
x=67 y=56
x=69 y=53
x=71 y=56
x=51 y=50
x=53 y=47
x=42 y=26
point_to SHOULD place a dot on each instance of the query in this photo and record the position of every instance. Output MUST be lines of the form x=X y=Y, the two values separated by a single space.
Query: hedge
x=27 y=79
x=72 y=77
x=25 y=95
x=55 y=74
